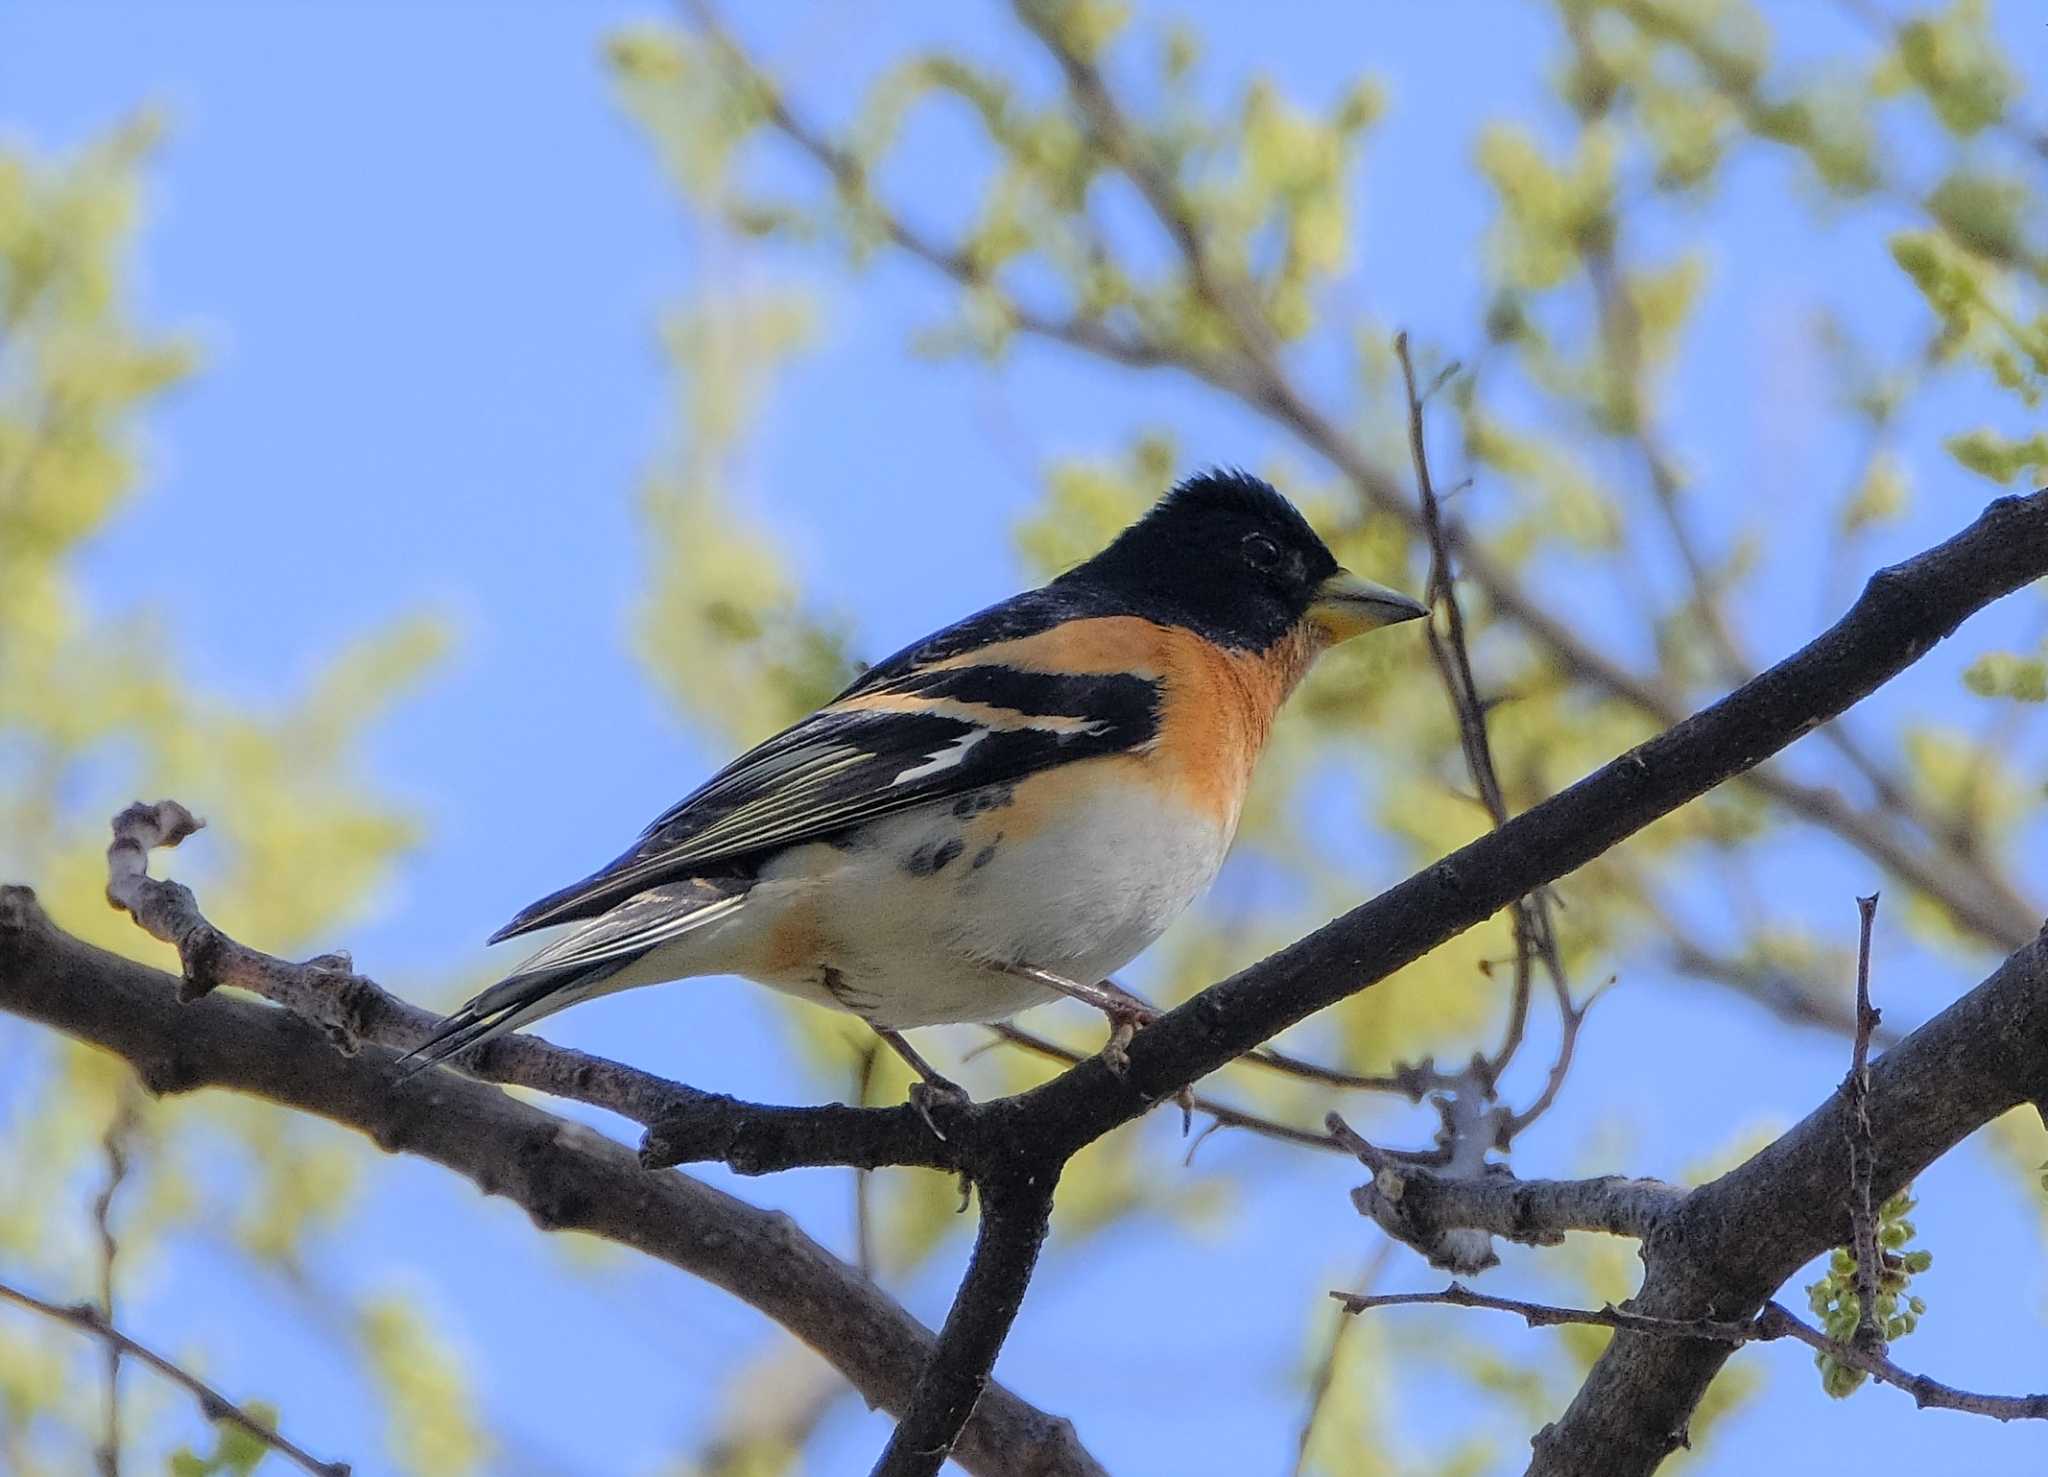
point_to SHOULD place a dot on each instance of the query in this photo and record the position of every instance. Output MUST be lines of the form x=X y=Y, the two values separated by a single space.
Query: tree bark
x=566 y=1176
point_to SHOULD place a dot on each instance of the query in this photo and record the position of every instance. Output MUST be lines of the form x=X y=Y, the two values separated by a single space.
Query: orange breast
x=1219 y=710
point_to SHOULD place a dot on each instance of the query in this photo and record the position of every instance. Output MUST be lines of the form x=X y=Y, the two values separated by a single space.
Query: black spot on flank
x=928 y=859
x=987 y=798
x=833 y=982
x=982 y=857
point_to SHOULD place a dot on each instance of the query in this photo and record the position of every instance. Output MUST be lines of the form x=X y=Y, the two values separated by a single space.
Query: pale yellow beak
x=1348 y=605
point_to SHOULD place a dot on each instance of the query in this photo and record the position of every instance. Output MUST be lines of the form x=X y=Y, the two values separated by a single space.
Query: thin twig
x=1324 y=1376
x=1869 y=1335
x=1225 y=1115
x=114 y=1144
x=1573 y=1016
x=1411 y=1080
x=1774 y=1322
x=1545 y=1315
x=212 y=1404
x=1450 y=650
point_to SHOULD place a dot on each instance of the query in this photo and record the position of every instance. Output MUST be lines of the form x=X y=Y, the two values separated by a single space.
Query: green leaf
x=2007 y=674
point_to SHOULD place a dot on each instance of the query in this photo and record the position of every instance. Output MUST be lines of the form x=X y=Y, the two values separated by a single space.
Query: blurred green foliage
x=93 y=709
x=1559 y=415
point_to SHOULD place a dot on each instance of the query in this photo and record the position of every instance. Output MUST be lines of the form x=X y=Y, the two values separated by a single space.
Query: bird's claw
x=1123 y=1025
x=937 y=1094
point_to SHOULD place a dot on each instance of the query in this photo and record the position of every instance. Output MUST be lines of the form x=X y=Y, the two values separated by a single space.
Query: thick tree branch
x=1016 y=1209
x=685 y=1124
x=564 y=1175
x=1727 y=1246
x=1418 y=1206
x=1901 y=614
x=1716 y=1254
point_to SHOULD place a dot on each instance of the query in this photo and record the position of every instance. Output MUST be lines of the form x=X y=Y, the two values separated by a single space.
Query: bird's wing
x=933 y=722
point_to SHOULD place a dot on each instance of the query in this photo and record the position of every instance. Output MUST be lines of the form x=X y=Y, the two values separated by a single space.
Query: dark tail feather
x=504 y=1007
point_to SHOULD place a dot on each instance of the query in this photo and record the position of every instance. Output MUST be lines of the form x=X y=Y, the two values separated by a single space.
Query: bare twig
x=214 y=1405
x=1324 y=1375
x=1545 y=1315
x=1573 y=1018
x=1451 y=651
x=114 y=1144
x=1777 y=1322
x=1869 y=1335
x=1411 y=1080
x=1774 y=1322
x=1224 y=1114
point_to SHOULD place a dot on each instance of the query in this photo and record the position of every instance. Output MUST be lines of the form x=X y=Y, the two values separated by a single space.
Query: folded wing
x=928 y=725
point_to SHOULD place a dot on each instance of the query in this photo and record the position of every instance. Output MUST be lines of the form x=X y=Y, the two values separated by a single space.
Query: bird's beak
x=1348 y=605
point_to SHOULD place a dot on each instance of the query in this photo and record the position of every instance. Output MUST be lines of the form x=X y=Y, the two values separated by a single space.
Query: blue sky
x=424 y=252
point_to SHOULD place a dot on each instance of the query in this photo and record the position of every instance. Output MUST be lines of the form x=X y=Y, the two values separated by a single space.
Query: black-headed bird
x=1002 y=813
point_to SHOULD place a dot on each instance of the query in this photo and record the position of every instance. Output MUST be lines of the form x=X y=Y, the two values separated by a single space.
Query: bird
x=1003 y=813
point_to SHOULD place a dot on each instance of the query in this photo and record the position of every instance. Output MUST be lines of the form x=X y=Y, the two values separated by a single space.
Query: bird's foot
x=1124 y=1020
x=934 y=1097
x=1126 y=1013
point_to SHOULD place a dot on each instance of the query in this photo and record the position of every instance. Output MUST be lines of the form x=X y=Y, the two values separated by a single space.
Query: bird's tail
x=505 y=1006
x=578 y=966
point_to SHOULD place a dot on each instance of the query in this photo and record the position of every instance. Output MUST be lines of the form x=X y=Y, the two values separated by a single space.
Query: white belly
x=908 y=922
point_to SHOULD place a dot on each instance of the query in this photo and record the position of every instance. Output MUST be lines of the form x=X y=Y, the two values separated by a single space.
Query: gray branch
x=566 y=1176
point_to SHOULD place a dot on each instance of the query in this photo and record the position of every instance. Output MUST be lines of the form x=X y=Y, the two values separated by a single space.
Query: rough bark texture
x=1729 y=1244
x=566 y=1176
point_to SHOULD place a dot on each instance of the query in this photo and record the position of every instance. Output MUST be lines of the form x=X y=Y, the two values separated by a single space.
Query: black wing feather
x=960 y=729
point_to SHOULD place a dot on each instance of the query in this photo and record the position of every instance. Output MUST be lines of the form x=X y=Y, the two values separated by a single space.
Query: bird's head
x=1227 y=556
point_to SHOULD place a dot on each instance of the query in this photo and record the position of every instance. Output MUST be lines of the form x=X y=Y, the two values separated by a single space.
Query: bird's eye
x=1261 y=552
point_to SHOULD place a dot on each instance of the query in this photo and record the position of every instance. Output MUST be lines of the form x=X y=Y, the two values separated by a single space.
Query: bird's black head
x=1227 y=556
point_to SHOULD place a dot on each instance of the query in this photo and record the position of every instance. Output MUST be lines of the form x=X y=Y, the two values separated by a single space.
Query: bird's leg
x=932 y=1086
x=1126 y=1012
